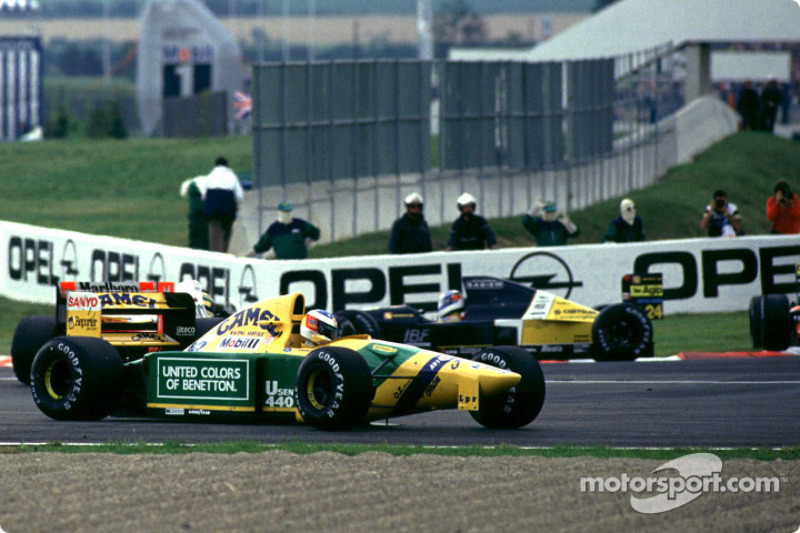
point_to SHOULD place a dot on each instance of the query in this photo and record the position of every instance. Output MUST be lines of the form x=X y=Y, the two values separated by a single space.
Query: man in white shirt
x=222 y=195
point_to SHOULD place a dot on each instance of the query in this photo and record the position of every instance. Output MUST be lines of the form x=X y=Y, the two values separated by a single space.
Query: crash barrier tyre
x=521 y=404
x=334 y=388
x=204 y=325
x=770 y=322
x=621 y=332
x=31 y=334
x=361 y=321
x=76 y=378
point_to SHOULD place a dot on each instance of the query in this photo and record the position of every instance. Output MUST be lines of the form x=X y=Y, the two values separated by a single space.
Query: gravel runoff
x=284 y=492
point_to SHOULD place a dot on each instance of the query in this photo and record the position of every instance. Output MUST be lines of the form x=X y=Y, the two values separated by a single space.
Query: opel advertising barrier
x=699 y=275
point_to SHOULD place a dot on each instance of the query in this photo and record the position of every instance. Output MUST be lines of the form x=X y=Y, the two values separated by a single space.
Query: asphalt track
x=717 y=403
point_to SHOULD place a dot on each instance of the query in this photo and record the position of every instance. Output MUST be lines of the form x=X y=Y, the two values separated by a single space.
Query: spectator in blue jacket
x=470 y=231
x=222 y=195
x=410 y=233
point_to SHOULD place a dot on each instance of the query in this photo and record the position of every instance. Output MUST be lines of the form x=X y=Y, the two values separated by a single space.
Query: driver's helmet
x=318 y=326
x=451 y=306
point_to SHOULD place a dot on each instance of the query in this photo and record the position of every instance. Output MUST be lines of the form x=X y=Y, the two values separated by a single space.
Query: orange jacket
x=784 y=219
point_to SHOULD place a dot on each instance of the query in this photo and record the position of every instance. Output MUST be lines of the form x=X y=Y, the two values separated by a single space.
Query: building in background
x=184 y=52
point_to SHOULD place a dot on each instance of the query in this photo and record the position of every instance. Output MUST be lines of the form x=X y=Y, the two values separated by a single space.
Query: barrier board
x=699 y=275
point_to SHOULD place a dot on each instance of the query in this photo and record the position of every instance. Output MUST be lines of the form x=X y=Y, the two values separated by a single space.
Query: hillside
x=746 y=165
x=130 y=189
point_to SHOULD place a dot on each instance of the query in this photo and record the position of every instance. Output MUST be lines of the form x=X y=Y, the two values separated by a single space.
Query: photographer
x=721 y=217
x=783 y=209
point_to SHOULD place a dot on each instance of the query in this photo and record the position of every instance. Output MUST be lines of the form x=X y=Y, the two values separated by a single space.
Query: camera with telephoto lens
x=720 y=203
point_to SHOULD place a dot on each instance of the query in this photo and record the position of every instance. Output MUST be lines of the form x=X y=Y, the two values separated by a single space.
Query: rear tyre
x=756 y=322
x=621 y=332
x=76 y=378
x=31 y=334
x=521 y=404
x=776 y=325
x=334 y=388
x=362 y=322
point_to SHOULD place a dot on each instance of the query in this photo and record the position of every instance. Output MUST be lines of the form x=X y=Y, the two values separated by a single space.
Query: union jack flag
x=243 y=104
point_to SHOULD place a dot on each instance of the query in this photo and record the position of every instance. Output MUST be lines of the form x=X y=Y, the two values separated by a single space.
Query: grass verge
x=788 y=453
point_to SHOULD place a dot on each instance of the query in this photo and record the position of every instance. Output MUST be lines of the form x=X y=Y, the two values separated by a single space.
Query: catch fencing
x=346 y=141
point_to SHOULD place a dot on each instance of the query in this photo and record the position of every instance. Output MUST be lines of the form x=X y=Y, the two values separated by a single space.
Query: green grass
x=127 y=188
x=746 y=165
x=788 y=453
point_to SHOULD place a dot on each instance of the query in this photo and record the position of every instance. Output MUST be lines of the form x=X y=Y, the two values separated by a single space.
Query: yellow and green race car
x=261 y=364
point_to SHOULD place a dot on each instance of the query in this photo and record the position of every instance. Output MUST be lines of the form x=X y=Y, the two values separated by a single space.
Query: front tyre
x=76 y=378
x=334 y=388
x=621 y=332
x=521 y=404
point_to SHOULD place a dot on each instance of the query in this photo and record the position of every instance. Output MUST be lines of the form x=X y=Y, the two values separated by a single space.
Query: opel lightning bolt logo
x=158 y=270
x=247 y=287
x=544 y=270
x=69 y=261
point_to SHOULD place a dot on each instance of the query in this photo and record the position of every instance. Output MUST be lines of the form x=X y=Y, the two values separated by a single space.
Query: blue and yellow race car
x=273 y=361
x=495 y=311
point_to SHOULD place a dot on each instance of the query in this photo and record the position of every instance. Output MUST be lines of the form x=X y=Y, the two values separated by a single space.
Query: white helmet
x=466 y=199
x=413 y=198
x=451 y=306
x=318 y=326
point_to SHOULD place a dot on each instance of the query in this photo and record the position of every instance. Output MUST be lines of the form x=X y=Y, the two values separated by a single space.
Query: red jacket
x=784 y=219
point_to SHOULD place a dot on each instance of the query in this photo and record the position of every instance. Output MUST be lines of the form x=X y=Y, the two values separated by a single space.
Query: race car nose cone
x=497 y=382
x=483 y=381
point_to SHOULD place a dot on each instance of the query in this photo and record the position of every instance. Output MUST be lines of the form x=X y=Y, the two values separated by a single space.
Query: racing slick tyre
x=772 y=329
x=334 y=388
x=621 y=332
x=755 y=321
x=522 y=403
x=76 y=378
x=361 y=321
x=31 y=334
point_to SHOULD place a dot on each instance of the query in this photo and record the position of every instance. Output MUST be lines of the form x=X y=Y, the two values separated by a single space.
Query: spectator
x=551 y=228
x=222 y=195
x=771 y=98
x=721 y=217
x=783 y=209
x=289 y=237
x=192 y=189
x=747 y=106
x=627 y=227
x=410 y=233
x=470 y=231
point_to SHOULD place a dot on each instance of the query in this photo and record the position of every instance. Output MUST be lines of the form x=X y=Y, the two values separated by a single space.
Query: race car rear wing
x=143 y=311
